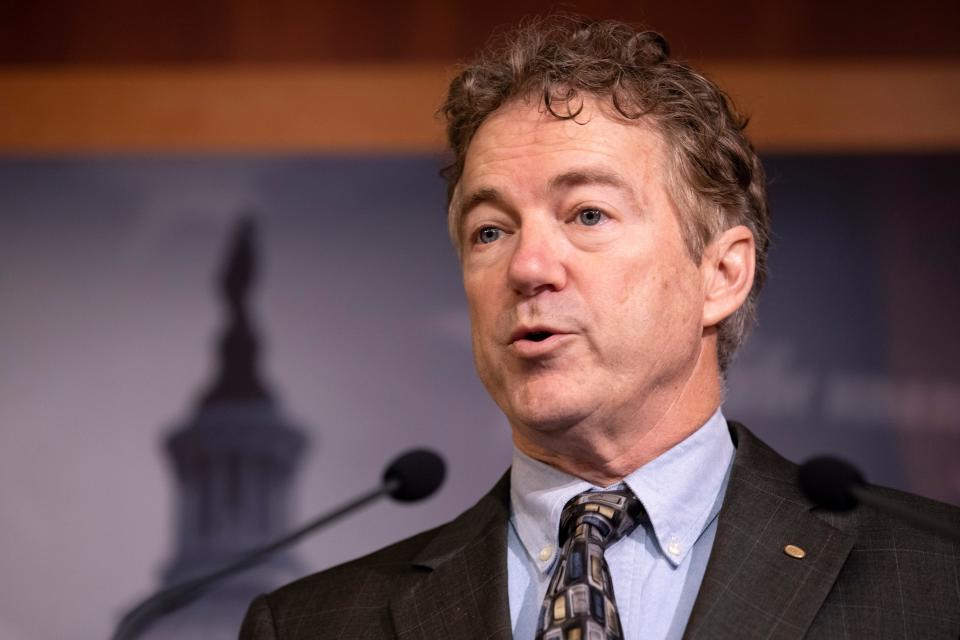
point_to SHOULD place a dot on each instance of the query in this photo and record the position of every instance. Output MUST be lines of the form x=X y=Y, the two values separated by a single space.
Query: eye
x=591 y=217
x=486 y=235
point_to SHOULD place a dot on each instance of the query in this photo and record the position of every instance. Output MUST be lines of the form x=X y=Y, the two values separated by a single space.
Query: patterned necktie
x=579 y=604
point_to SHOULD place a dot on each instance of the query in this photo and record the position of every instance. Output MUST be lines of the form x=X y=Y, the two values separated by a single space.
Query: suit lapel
x=461 y=591
x=752 y=588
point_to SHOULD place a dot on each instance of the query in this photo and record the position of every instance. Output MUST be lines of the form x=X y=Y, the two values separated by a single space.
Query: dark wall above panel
x=311 y=31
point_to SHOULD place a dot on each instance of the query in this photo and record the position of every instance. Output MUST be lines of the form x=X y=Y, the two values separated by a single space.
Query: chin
x=545 y=408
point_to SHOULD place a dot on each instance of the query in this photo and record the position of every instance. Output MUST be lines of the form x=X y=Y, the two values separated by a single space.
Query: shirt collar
x=681 y=490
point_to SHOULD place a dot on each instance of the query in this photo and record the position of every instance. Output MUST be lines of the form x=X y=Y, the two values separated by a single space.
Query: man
x=611 y=222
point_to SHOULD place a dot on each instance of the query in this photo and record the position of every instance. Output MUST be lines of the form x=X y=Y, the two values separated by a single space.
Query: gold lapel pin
x=794 y=551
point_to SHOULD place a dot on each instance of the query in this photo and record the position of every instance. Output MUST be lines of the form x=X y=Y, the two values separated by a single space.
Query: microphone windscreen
x=828 y=482
x=418 y=474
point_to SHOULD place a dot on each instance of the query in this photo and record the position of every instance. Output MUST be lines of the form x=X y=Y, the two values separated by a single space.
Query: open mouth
x=537 y=342
x=537 y=336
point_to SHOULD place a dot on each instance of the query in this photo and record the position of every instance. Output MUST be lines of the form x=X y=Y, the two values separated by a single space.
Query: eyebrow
x=485 y=195
x=585 y=177
x=566 y=180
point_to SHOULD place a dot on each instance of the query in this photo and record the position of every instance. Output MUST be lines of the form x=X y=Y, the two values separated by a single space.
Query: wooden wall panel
x=360 y=108
x=815 y=107
x=848 y=107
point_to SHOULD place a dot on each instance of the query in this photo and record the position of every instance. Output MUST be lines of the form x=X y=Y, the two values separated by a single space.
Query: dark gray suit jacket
x=865 y=575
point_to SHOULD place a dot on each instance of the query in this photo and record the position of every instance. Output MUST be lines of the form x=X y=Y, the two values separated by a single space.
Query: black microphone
x=837 y=485
x=412 y=476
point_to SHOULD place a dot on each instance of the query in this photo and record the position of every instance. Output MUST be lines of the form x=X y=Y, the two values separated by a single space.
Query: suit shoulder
x=366 y=583
x=932 y=509
x=758 y=464
x=918 y=502
x=380 y=567
x=349 y=600
x=877 y=530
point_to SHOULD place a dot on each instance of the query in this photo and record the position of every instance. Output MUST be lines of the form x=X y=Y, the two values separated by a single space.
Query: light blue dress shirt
x=656 y=570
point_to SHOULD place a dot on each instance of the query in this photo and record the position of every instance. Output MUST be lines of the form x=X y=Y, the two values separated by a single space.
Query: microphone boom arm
x=138 y=619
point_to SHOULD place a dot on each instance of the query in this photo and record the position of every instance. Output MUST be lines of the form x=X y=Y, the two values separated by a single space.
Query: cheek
x=484 y=313
x=474 y=290
x=660 y=297
x=641 y=286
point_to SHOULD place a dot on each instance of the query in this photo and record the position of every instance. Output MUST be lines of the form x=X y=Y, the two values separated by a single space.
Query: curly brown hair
x=716 y=178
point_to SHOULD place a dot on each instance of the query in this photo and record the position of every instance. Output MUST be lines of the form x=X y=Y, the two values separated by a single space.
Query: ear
x=727 y=266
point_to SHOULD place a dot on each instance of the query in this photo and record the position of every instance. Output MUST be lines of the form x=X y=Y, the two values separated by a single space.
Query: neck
x=605 y=449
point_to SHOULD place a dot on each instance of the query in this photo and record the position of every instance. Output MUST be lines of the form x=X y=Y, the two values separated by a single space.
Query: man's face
x=584 y=302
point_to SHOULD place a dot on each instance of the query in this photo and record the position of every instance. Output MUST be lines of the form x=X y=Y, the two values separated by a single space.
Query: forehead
x=523 y=139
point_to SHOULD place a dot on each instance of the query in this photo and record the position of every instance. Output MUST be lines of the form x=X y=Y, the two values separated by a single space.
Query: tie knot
x=602 y=517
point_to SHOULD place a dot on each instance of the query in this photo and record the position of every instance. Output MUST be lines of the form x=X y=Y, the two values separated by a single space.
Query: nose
x=537 y=263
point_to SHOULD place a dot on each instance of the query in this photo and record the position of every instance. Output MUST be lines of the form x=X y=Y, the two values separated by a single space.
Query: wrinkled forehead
x=526 y=134
x=525 y=123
